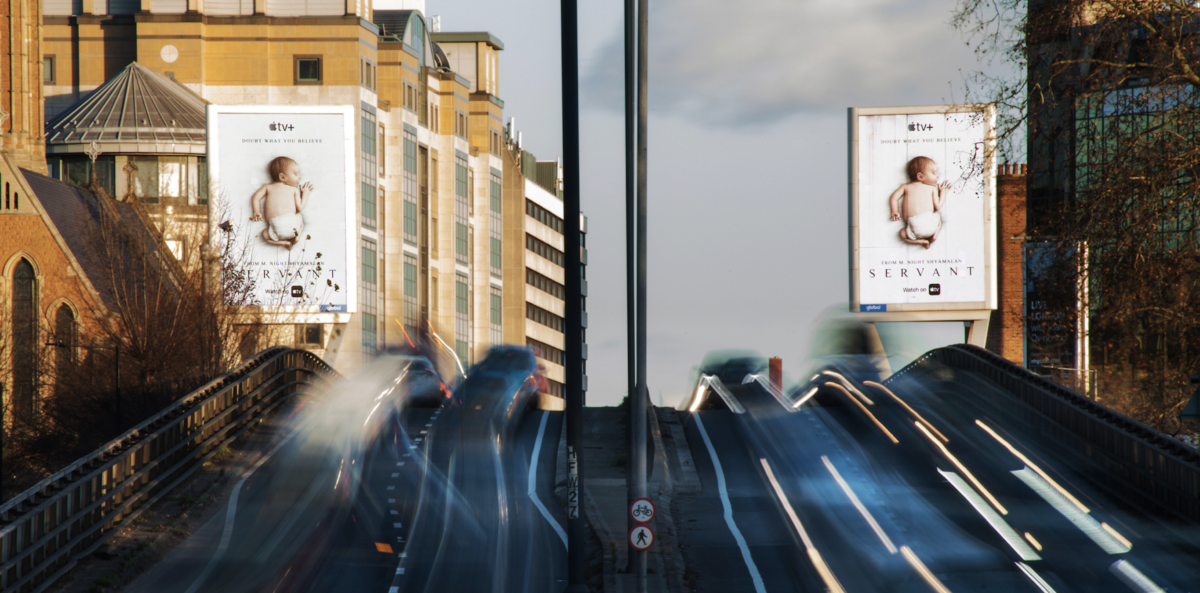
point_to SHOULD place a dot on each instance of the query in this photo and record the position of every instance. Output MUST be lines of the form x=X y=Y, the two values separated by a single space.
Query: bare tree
x=1106 y=94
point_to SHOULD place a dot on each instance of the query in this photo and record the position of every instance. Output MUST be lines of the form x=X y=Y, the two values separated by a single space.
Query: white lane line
x=395 y=512
x=1089 y=526
x=395 y=475
x=1133 y=578
x=831 y=582
x=397 y=525
x=1003 y=529
x=391 y=500
x=887 y=542
x=537 y=448
x=231 y=514
x=737 y=534
x=1037 y=579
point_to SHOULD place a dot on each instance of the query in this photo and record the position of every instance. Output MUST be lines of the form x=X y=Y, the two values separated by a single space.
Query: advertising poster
x=283 y=204
x=924 y=193
x=1050 y=309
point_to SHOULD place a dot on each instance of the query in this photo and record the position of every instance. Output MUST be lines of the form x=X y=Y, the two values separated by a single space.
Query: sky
x=747 y=161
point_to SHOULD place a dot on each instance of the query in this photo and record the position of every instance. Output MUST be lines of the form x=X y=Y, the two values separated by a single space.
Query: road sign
x=641 y=537
x=642 y=510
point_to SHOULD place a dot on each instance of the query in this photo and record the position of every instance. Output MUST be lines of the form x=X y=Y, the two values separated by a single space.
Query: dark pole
x=630 y=257
x=642 y=396
x=576 y=536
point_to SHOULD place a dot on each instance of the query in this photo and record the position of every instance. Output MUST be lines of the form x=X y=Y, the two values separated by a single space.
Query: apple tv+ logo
x=935 y=289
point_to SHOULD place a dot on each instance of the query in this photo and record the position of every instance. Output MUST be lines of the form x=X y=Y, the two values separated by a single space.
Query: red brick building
x=1007 y=332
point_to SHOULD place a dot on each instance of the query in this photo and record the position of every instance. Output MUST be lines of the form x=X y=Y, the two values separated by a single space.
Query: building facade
x=434 y=202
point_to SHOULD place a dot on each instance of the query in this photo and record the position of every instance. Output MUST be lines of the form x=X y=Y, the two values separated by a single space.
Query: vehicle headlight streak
x=807 y=396
x=1095 y=531
x=1037 y=579
x=850 y=388
x=1031 y=465
x=1133 y=578
x=906 y=407
x=962 y=468
x=923 y=570
x=887 y=543
x=1006 y=532
x=823 y=569
x=864 y=409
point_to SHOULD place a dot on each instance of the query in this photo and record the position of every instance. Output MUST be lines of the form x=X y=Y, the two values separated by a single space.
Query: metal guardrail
x=1136 y=461
x=46 y=529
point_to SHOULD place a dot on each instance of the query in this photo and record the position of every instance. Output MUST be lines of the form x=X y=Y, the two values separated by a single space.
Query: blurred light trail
x=850 y=387
x=1032 y=466
x=699 y=397
x=923 y=570
x=807 y=396
x=963 y=469
x=451 y=350
x=887 y=543
x=533 y=462
x=728 y=507
x=910 y=410
x=1089 y=526
x=895 y=441
x=1006 y=532
x=771 y=388
x=826 y=574
x=1037 y=579
x=1113 y=532
x=1133 y=578
x=1029 y=536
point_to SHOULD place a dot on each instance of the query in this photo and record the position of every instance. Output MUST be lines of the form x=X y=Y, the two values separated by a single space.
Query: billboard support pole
x=576 y=518
x=631 y=325
x=639 y=404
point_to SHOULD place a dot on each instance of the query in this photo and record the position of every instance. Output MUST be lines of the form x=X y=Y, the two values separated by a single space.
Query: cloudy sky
x=747 y=159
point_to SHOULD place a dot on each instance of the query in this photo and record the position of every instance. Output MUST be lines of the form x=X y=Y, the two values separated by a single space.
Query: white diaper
x=922 y=226
x=285 y=227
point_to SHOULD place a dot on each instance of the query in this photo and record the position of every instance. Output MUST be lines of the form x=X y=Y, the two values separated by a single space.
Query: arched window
x=24 y=340
x=64 y=336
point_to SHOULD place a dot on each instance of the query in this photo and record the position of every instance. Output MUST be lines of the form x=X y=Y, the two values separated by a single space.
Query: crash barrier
x=46 y=529
x=1137 y=462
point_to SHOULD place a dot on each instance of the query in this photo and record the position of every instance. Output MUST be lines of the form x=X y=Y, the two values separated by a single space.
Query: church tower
x=21 y=108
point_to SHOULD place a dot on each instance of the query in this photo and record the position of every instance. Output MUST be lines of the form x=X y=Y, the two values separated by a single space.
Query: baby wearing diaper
x=923 y=198
x=281 y=201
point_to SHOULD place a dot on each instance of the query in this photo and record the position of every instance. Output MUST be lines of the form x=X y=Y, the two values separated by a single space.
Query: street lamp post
x=116 y=370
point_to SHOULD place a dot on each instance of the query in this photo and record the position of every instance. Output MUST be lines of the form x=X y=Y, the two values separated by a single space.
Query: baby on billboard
x=919 y=203
x=281 y=202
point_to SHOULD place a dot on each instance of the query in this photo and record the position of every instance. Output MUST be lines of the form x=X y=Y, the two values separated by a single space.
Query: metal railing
x=46 y=529
x=1135 y=461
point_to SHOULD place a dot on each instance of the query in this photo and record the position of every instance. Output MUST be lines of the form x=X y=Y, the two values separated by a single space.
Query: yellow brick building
x=436 y=216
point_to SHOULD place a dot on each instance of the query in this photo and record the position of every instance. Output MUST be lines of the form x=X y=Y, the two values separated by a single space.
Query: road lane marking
x=382 y=547
x=1037 y=579
x=819 y=563
x=231 y=514
x=1006 y=532
x=737 y=533
x=537 y=448
x=910 y=410
x=1032 y=466
x=394 y=475
x=887 y=543
x=1088 y=525
x=1133 y=578
x=864 y=409
x=923 y=570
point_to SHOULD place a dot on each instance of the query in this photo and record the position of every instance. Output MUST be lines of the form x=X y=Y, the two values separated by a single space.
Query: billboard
x=922 y=200
x=282 y=205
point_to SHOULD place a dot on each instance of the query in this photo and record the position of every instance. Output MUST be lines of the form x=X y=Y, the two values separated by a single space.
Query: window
x=367 y=166
x=496 y=225
x=24 y=340
x=543 y=249
x=382 y=149
x=543 y=283
x=368 y=295
x=409 y=186
x=460 y=208
x=435 y=294
x=462 y=327
x=496 y=334
x=543 y=216
x=546 y=351
x=307 y=70
x=412 y=319
x=543 y=317
x=310 y=334
x=48 y=70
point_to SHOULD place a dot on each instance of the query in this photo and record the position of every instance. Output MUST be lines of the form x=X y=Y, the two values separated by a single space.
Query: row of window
x=543 y=249
x=546 y=351
x=544 y=284
x=543 y=317
x=544 y=216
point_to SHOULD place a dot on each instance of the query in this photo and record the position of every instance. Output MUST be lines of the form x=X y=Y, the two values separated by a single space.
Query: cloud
x=756 y=62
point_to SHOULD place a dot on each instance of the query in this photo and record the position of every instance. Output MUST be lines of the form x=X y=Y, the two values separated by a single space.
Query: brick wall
x=1006 y=335
x=56 y=278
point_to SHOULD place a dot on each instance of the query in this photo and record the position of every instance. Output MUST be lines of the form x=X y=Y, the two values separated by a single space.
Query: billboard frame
x=976 y=312
x=287 y=313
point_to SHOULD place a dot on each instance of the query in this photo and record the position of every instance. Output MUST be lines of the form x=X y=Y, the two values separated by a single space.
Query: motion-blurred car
x=503 y=386
x=422 y=385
